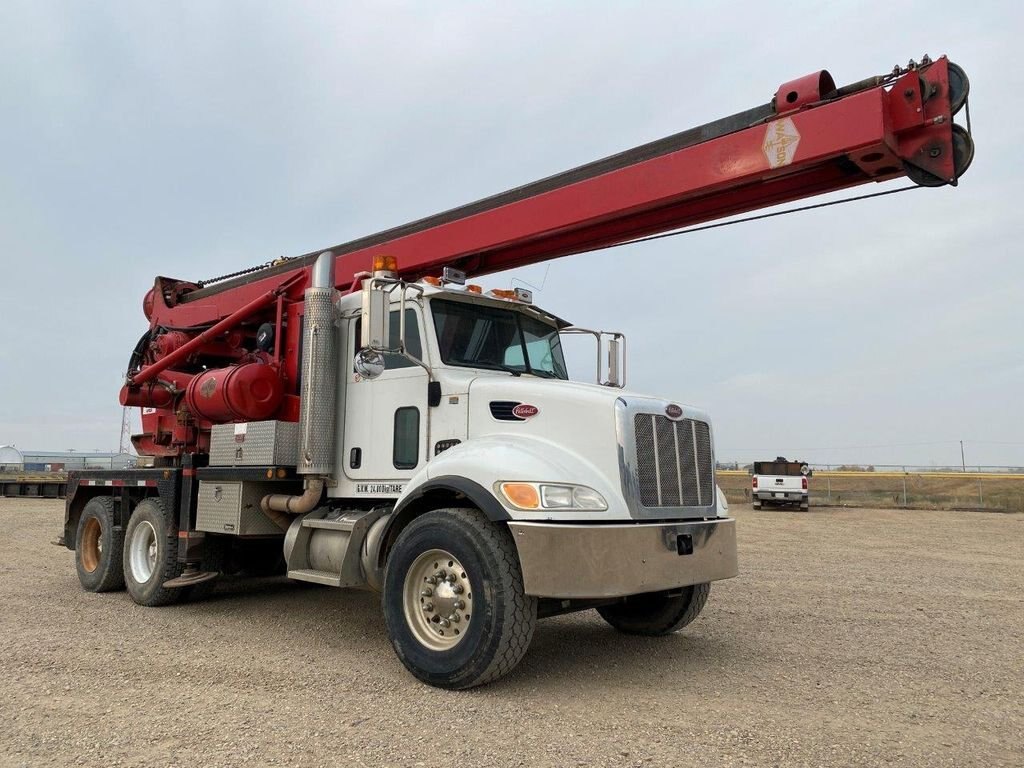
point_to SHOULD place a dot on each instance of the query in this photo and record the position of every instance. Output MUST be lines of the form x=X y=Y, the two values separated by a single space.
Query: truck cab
x=456 y=406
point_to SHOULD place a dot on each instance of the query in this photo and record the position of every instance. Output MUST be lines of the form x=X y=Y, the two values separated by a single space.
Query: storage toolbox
x=255 y=444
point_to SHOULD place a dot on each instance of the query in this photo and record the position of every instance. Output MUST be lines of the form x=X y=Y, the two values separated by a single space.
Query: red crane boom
x=810 y=139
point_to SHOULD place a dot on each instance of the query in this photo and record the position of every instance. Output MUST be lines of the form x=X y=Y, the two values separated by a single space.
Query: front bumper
x=596 y=561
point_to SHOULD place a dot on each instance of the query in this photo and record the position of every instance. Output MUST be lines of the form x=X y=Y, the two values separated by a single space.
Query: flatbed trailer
x=33 y=485
x=177 y=487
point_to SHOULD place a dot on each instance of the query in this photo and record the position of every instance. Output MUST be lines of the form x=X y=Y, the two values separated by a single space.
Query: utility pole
x=126 y=431
x=963 y=461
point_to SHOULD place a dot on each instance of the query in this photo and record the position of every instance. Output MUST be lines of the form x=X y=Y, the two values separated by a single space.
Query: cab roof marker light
x=382 y=263
x=453 y=275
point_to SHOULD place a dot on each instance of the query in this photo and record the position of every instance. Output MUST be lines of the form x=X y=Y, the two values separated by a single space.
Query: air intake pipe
x=319 y=393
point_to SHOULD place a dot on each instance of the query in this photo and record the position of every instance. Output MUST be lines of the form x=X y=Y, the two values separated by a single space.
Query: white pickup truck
x=780 y=482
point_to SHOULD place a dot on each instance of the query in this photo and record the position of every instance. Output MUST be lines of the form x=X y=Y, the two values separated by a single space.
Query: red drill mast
x=200 y=362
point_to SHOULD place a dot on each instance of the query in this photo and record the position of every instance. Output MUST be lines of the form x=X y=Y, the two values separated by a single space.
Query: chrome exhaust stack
x=318 y=393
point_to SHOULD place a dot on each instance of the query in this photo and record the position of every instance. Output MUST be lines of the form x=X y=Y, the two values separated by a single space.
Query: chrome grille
x=674 y=461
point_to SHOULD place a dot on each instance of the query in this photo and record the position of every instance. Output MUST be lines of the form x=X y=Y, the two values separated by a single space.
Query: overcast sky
x=193 y=139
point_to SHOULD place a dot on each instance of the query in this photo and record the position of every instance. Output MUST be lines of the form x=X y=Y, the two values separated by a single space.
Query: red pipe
x=213 y=331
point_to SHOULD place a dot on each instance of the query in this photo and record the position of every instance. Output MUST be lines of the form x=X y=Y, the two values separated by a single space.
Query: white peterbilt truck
x=367 y=420
x=542 y=495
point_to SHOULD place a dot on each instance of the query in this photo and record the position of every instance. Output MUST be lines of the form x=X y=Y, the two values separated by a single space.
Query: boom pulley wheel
x=963 y=154
x=963 y=150
x=959 y=87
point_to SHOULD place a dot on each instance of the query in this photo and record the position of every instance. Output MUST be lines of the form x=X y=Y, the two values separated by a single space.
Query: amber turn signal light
x=522 y=495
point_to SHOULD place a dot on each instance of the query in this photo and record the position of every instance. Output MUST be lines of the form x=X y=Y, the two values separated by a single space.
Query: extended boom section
x=812 y=138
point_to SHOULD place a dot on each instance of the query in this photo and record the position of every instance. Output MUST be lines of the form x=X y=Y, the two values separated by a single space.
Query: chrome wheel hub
x=142 y=552
x=437 y=600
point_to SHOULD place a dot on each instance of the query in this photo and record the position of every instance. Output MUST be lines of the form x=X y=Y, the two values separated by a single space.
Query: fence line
x=1002 y=491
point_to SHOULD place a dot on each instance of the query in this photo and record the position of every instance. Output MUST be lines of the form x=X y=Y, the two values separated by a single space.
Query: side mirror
x=615 y=367
x=376 y=318
x=369 y=363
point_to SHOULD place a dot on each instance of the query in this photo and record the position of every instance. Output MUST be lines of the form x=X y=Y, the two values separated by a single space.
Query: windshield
x=479 y=336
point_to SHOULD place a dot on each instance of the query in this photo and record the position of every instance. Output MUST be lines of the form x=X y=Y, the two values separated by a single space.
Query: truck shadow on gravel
x=576 y=647
x=580 y=647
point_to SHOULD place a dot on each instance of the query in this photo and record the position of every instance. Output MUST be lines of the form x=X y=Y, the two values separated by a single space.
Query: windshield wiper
x=487 y=365
x=503 y=367
x=544 y=374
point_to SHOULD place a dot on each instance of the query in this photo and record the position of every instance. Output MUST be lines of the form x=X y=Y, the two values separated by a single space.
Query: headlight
x=551 y=496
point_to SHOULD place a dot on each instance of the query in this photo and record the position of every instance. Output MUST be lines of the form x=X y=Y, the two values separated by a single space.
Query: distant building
x=11 y=459
x=56 y=461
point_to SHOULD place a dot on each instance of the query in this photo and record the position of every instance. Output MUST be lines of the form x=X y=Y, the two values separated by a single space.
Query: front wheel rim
x=437 y=600
x=142 y=552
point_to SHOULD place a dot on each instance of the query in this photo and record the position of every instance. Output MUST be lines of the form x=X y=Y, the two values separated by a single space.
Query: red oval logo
x=673 y=411
x=525 y=411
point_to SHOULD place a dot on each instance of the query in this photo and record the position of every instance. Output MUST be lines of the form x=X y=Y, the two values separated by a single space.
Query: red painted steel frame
x=226 y=324
x=847 y=141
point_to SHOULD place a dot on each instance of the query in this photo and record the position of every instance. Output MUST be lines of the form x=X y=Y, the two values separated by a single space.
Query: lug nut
x=455 y=617
x=431 y=580
x=427 y=592
x=451 y=578
x=428 y=607
x=458 y=589
x=460 y=604
x=445 y=623
x=440 y=574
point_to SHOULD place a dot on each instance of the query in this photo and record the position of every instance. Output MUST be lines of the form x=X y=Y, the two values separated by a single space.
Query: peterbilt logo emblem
x=780 y=142
x=673 y=411
x=525 y=411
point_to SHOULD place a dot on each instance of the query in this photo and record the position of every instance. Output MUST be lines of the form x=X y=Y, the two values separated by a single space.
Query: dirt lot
x=852 y=637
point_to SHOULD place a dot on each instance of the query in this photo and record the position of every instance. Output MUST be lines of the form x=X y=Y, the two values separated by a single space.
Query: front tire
x=657 y=613
x=453 y=599
x=151 y=554
x=98 y=547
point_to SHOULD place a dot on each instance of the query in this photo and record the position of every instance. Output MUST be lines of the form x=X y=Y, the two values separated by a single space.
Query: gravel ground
x=853 y=637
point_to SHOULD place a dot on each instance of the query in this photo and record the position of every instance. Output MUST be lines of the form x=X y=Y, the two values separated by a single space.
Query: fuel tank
x=250 y=392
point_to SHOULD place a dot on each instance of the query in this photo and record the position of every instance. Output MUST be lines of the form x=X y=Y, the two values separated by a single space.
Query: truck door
x=386 y=417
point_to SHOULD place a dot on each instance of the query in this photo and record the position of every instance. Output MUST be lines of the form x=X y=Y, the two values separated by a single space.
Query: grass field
x=923 y=490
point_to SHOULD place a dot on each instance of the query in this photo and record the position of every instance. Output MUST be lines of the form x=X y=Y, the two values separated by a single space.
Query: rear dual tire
x=99 y=546
x=151 y=555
